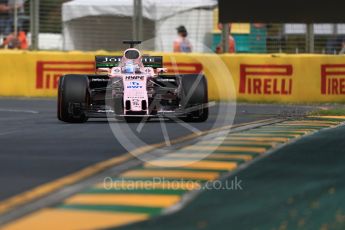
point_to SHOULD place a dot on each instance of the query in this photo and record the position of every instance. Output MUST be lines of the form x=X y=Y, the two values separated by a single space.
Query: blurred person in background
x=182 y=43
x=232 y=43
x=14 y=39
x=232 y=46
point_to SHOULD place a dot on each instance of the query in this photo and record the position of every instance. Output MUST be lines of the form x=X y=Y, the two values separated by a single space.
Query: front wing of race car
x=161 y=95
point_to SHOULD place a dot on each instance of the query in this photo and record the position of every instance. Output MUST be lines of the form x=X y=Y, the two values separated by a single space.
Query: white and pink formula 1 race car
x=132 y=87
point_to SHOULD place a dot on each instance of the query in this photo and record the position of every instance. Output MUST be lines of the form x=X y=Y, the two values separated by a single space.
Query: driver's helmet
x=130 y=67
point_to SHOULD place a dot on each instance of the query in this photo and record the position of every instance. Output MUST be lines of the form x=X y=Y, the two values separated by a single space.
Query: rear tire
x=199 y=97
x=73 y=89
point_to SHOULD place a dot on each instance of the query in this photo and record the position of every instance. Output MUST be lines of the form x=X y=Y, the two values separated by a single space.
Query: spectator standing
x=182 y=43
x=15 y=38
x=232 y=46
x=16 y=41
x=232 y=43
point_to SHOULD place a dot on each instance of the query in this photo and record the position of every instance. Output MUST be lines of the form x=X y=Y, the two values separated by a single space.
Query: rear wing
x=114 y=61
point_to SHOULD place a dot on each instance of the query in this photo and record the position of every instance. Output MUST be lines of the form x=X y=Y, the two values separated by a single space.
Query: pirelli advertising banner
x=288 y=78
x=257 y=78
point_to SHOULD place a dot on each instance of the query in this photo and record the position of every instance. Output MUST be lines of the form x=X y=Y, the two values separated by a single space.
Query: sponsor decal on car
x=134 y=85
x=112 y=59
x=134 y=77
x=266 y=79
x=136 y=103
x=333 y=79
x=99 y=79
x=166 y=79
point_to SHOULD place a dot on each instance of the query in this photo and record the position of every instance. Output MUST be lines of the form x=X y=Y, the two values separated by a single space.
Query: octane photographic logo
x=171 y=130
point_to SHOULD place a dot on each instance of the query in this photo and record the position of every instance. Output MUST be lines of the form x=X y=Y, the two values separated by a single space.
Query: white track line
x=19 y=111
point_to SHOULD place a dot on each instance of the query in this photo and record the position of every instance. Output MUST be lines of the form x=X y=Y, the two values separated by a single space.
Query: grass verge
x=329 y=112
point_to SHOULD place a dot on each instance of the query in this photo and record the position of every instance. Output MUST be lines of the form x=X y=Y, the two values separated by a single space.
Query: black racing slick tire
x=195 y=97
x=73 y=97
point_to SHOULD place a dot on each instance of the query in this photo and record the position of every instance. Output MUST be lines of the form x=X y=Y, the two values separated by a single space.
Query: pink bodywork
x=134 y=85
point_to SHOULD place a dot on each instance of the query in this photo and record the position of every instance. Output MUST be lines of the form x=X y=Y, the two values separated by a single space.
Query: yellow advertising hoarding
x=260 y=78
x=288 y=78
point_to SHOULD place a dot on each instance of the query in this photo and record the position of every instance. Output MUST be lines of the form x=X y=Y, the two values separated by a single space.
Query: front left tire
x=195 y=94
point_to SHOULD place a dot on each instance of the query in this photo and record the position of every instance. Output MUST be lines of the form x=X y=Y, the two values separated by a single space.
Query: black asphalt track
x=37 y=148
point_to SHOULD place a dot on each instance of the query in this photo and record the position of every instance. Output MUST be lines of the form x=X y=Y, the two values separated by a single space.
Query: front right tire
x=72 y=90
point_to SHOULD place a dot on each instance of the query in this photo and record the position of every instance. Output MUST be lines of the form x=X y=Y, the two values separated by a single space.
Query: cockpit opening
x=132 y=54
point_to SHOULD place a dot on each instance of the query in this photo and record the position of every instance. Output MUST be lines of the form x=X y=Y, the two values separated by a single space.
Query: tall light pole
x=15 y=18
x=137 y=20
x=225 y=37
x=34 y=23
x=310 y=41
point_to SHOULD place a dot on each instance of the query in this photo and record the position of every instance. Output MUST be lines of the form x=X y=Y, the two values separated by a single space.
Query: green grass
x=329 y=112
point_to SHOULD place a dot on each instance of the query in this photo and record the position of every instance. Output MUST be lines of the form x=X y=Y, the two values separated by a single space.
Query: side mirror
x=162 y=70
x=102 y=71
